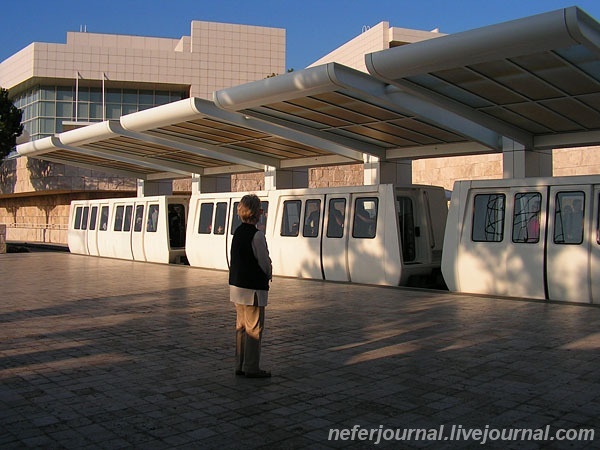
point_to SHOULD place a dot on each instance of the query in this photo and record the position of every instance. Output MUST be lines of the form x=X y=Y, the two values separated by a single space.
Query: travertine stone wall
x=576 y=161
x=445 y=171
x=351 y=175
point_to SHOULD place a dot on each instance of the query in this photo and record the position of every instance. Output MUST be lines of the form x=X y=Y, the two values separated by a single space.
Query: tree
x=10 y=124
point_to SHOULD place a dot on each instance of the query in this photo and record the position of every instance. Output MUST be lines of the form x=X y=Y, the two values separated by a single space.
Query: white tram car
x=378 y=234
x=532 y=237
x=150 y=229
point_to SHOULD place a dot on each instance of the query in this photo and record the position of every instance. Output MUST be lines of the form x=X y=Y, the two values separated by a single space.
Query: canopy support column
x=285 y=178
x=384 y=172
x=147 y=188
x=520 y=162
x=204 y=183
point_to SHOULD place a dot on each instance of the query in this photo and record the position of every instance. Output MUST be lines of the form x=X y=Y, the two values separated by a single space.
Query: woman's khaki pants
x=248 y=329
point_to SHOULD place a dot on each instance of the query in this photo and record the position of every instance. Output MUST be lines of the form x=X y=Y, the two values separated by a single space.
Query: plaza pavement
x=105 y=354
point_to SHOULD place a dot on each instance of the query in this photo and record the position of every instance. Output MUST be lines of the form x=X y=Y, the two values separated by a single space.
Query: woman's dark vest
x=244 y=270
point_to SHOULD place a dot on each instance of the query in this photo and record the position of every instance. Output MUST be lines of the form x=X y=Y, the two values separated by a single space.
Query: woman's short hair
x=249 y=208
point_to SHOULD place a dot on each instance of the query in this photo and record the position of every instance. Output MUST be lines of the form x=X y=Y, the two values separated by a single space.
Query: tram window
x=119 y=218
x=290 y=223
x=235 y=220
x=84 y=217
x=568 y=218
x=262 y=220
x=176 y=217
x=139 y=218
x=127 y=220
x=152 y=224
x=406 y=221
x=78 y=212
x=365 y=217
x=206 y=217
x=104 y=218
x=336 y=217
x=220 y=218
x=312 y=218
x=93 y=217
x=488 y=218
x=526 y=217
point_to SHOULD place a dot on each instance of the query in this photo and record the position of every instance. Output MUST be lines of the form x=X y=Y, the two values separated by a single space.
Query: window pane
x=48 y=93
x=220 y=218
x=365 y=217
x=104 y=218
x=113 y=111
x=206 y=217
x=96 y=111
x=64 y=109
x=336 y=217
x=93 y=217
x=291 y=217
x=119 y=218
x=146 y=98
x=262 y=221
x=130 y=96
x=152 y=218
x=64 y=93
x=129 y=109
x=488 y=218
x=526 y=217
x=77 y=223
x=312 y=218
x=84 y=218
x=128 y=215
x=112 y=96
x=568 y=218
x=139 y=218
x=47 y=109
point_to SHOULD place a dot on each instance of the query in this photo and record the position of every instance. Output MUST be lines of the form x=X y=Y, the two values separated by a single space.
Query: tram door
x=92 y=233
x=525 y=231
x=568 y=243
x=334 y=254
x=137 y=237
x=595 y=255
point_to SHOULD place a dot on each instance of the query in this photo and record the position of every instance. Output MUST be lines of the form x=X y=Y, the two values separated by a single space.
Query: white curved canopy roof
x=534 y=80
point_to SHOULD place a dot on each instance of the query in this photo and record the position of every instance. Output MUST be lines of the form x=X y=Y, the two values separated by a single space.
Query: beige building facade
x=94 y=77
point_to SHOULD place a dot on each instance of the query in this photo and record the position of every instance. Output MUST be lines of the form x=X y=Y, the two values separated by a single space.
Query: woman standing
x=249 y=275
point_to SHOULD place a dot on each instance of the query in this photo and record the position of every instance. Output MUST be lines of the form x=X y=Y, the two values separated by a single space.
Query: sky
x=313 y=27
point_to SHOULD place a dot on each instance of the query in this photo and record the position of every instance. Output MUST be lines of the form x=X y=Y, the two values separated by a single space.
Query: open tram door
x=569 y=276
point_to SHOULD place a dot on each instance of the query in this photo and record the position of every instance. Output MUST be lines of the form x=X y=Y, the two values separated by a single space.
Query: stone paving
x=106 y=354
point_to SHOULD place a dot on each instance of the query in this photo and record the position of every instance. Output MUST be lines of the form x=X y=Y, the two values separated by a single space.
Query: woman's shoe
x=259 y=374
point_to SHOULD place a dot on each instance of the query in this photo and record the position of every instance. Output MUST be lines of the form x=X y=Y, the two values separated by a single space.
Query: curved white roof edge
x=163 y=115
x=87 y=134
x=552 y=30
x=311 y=81
x=38 y=147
